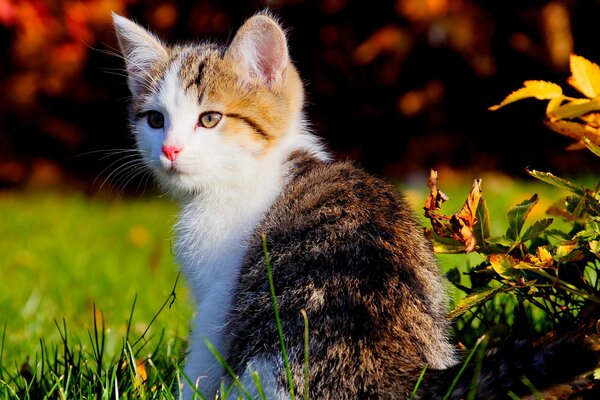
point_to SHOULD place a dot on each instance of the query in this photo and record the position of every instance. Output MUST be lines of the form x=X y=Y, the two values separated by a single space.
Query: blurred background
x=399 y=85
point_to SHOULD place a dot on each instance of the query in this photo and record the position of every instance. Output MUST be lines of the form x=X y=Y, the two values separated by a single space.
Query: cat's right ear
x=260 y=50
x=140 y=50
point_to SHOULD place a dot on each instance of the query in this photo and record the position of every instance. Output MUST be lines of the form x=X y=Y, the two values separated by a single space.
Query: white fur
x=267 y=370
x=225 y=190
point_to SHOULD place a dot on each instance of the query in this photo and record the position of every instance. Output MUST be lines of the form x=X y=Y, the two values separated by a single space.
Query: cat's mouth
x=171 y=169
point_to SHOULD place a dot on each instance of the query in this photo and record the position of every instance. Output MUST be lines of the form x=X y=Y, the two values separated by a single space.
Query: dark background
x=401 y=86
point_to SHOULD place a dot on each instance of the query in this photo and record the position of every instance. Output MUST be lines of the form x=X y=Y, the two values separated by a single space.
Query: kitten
x=222 y=129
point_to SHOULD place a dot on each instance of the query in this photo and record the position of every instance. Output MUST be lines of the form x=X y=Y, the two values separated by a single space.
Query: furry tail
x=555 y=367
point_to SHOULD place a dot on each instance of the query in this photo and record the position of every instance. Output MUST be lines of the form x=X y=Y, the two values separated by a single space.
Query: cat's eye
x=155 y=119
x=209 y=119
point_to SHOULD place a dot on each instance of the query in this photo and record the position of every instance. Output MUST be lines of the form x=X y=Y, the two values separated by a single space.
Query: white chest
x=211 y=244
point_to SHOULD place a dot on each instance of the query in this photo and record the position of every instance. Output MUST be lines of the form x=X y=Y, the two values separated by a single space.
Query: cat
x=223 y=130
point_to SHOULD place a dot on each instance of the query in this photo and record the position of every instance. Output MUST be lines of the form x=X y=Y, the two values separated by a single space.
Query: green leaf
x=593 y=203
x=541 y=90
x=473 y=300
x=444 y=245
x=501 y=240
x=504 y=266
x=536 y=229
x=482 y=229
x=556 y=181
x=517 y=216
x=593 y=224
x=591 y=231
x=558 y=234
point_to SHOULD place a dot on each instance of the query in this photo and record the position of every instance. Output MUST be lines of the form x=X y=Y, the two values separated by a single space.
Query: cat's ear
x=140 y=50
x=260 y=51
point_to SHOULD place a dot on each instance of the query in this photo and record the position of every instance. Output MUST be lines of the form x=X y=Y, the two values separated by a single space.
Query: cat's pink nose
x=171 y=151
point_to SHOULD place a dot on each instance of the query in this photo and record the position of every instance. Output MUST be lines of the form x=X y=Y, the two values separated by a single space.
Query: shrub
x=555 y=270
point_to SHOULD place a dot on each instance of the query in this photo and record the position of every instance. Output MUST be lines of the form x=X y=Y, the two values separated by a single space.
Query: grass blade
x=258 y=384
x=472 y=395
x=534 y=391
x=462 y=369
x=221 y=360
x=277 y=319
x=421 y=376
x=195 y=391
x=306 y=355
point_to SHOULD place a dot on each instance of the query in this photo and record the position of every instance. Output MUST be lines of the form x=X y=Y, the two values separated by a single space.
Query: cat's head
x=204 y=114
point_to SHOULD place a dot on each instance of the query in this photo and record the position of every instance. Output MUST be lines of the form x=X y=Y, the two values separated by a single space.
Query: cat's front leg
x=202 y=367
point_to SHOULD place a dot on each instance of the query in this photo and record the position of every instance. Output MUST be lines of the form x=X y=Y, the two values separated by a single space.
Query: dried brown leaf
x=463 y=221
x=436 y=197
x=460 y=225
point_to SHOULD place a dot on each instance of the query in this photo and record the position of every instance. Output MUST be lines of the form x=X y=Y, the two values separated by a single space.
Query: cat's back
x=346 y=248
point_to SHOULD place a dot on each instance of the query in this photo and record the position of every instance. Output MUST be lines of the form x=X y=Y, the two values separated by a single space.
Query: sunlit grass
x=64 y=255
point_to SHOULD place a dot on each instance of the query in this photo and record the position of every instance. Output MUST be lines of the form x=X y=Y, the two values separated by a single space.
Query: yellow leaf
x=553 y=104
x=565 y=249
x=504 y=265
x=585 y=76
x=526 y=265
x=544 y=256
x=541 y=90
x=591 y=119
x=575 y=146
x=571 y=129
x=575 y=108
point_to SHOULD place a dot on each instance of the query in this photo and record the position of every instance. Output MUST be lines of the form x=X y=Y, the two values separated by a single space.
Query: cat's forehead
x=195 y=64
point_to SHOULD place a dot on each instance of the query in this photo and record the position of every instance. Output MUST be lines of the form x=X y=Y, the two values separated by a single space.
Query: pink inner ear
x=271 y=54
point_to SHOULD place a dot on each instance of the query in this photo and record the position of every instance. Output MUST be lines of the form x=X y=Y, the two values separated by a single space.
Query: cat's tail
x=554 y=367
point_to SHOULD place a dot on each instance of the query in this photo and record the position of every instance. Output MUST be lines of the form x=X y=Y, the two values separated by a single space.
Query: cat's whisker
x=121 y=167
x=127 y=177
x=121 y=155
x=106 y=151
x=147 y=177
x=133 y=173
x=135 y=156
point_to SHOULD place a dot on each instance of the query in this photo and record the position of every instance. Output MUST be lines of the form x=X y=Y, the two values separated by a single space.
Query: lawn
x=64 y=255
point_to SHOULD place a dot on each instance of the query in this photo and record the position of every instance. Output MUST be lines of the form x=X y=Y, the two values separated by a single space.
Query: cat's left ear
x=260 y=51
x=140 y=50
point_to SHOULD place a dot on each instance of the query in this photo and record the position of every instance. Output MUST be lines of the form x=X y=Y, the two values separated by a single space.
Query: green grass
x=64 y=255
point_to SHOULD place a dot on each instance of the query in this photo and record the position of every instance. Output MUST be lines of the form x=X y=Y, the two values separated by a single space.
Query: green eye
x=209 y=119
x=155 y=119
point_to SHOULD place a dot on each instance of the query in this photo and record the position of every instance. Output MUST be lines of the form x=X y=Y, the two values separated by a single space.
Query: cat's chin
x=178 y=183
